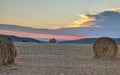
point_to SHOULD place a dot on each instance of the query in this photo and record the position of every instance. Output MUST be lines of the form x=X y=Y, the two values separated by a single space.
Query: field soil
x=59 y=59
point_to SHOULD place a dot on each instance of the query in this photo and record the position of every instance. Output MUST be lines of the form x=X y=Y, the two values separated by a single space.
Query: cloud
x=93 y=20
x=102 y=19
x=86 y=20
x=110 y=19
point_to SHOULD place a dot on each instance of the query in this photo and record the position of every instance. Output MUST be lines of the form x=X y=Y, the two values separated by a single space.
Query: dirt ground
x=59 y=59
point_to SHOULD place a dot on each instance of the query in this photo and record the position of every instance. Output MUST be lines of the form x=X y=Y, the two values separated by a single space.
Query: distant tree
x=24 y=41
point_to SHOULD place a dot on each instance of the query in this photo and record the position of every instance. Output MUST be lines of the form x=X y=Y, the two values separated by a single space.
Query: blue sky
x=50 y=13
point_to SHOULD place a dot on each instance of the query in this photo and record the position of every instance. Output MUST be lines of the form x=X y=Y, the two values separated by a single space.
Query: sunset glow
x=61 y=19
x=53 y=14
x=35 y=35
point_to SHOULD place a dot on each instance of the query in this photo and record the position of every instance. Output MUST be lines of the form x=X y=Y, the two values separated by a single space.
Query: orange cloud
x=85 y=21
x=114 y=9
x=55 y=27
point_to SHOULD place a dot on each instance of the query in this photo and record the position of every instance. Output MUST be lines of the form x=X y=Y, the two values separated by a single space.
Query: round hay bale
x=105 y=48
x=52 y=41
x=3 y=54
x=8 y=52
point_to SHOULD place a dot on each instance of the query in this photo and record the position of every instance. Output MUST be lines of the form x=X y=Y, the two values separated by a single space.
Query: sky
x=61 y=17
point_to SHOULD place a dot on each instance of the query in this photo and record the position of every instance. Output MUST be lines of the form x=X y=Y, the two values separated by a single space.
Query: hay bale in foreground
x=105 y=48
x=8 y=51
x=52 y=41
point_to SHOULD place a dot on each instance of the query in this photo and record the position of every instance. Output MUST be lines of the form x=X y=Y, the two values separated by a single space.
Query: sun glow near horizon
x=35 y=35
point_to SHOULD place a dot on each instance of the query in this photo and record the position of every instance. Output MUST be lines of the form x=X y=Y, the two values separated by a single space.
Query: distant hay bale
x=105 y=48
x=52 y=41
x=8 y=51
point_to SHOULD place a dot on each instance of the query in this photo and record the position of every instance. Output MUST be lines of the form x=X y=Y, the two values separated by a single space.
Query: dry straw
x=105 y=48
x=8 y=51
x=52 y=41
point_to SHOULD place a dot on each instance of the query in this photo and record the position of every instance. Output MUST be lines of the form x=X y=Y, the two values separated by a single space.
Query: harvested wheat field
x=59 y=59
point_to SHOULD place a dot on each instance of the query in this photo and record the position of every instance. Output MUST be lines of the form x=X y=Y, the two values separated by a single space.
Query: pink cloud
x=35 y=35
